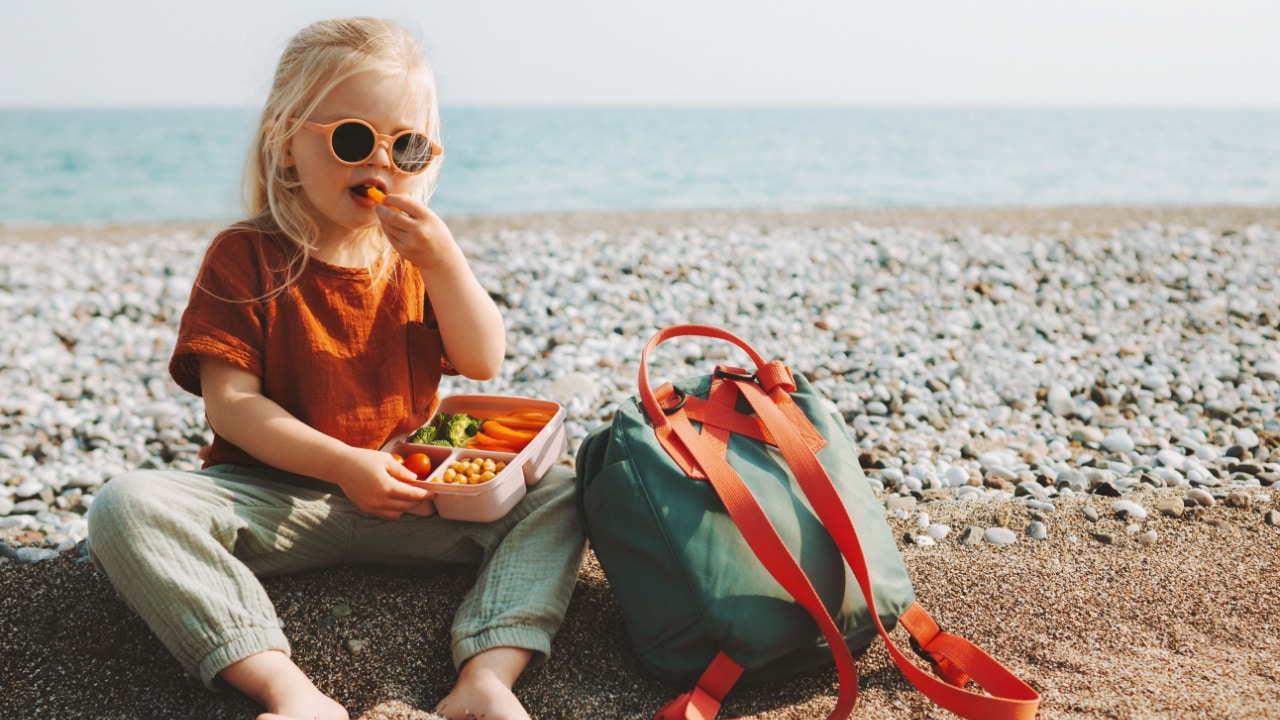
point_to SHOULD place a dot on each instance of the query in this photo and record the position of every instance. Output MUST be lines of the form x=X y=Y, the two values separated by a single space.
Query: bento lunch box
x=489 y=500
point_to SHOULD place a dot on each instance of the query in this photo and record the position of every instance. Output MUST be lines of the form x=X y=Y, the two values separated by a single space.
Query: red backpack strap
x=955 y=659
x=703 y=701
x=772 y=552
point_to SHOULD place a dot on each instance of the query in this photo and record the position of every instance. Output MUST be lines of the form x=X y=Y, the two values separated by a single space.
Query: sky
x=221 y=53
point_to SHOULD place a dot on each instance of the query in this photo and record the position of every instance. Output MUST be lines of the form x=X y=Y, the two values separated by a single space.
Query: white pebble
x=1171 y=458
x=30 y=488
x=955 y=476
x=1118 y=442
x=1129 y=509
x=1060 y=402
x=1246 y=438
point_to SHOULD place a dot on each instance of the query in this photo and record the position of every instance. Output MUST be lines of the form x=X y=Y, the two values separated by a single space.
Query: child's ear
x=286 y=154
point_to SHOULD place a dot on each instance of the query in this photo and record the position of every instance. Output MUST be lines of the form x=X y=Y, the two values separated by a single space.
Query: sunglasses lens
x=353 y=142
x=411 y=152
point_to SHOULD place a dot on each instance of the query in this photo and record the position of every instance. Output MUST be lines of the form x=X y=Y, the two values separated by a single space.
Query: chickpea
x=473 y=472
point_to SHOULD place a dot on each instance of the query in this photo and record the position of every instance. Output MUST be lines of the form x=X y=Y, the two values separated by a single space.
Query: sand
x=1183 y=628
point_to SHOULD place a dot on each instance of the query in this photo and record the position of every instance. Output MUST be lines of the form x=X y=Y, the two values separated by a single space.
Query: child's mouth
x=370 y=191
x=375 y=194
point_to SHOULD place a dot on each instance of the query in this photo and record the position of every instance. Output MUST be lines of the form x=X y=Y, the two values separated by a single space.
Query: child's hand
x=374 y=482
x=471 y=326
x=417 y=232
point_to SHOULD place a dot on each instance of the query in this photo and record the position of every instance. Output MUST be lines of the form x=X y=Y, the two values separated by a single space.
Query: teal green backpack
x=736 y=528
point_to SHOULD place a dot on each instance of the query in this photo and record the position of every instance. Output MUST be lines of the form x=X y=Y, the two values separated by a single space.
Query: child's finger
x=401 y=473
x=407 y=205
x=393 y=219
x=410 y=491
x=421 y=485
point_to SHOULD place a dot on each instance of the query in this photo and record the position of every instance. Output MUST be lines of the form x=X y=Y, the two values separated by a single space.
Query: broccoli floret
x=424 y=435
x=448 y=430
x=460 y=428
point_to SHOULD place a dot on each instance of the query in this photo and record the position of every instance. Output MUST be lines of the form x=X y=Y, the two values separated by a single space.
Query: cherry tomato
x=418 y=464
x=398 y=458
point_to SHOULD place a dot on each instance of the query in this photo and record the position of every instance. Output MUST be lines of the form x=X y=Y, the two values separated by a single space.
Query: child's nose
x=381 y=154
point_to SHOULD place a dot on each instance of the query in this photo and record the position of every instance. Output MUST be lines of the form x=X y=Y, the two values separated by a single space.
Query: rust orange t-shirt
x=344 y=351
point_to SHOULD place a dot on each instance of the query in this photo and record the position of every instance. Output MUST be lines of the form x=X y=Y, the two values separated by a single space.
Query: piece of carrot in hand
x=379 y=197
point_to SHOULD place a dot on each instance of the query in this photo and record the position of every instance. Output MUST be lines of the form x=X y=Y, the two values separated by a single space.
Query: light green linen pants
x=185 y=551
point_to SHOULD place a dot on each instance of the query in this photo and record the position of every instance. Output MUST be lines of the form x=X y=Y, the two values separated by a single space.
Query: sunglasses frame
x=327 y=129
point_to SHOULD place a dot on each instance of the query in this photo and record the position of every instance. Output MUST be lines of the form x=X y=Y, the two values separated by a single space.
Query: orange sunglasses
x=353 y=142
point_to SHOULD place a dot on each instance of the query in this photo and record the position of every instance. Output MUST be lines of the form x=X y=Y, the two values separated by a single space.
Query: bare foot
x=282 y=688
x=483 y=691
x=323 y=708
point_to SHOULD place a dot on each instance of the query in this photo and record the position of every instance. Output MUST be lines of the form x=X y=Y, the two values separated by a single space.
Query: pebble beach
x=1071 y=416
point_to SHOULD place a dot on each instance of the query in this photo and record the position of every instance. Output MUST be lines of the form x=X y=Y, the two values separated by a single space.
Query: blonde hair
x=316 y=60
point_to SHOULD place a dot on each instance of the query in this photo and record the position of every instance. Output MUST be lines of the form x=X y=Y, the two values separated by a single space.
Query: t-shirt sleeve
x=224 y=317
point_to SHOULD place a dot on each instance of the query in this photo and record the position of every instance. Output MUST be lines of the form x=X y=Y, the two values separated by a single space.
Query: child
x=317 y=330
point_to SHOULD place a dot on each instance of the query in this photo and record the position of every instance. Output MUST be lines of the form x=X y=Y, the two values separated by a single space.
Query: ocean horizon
x=69 y=166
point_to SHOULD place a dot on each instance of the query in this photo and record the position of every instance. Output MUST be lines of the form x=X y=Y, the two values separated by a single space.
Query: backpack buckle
x=681 y=398
x=735 y=374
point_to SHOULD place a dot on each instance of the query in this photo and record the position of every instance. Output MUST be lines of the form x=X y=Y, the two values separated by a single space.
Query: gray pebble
x=1037 y=530
x=1090 y=513
x=31 y=554
x=1073 y=479
x=999 y=536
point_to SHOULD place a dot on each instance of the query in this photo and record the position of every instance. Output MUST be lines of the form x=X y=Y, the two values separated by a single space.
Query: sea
x=139 y=165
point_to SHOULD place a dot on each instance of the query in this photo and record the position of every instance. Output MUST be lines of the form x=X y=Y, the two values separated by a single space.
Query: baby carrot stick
x=511 y=436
